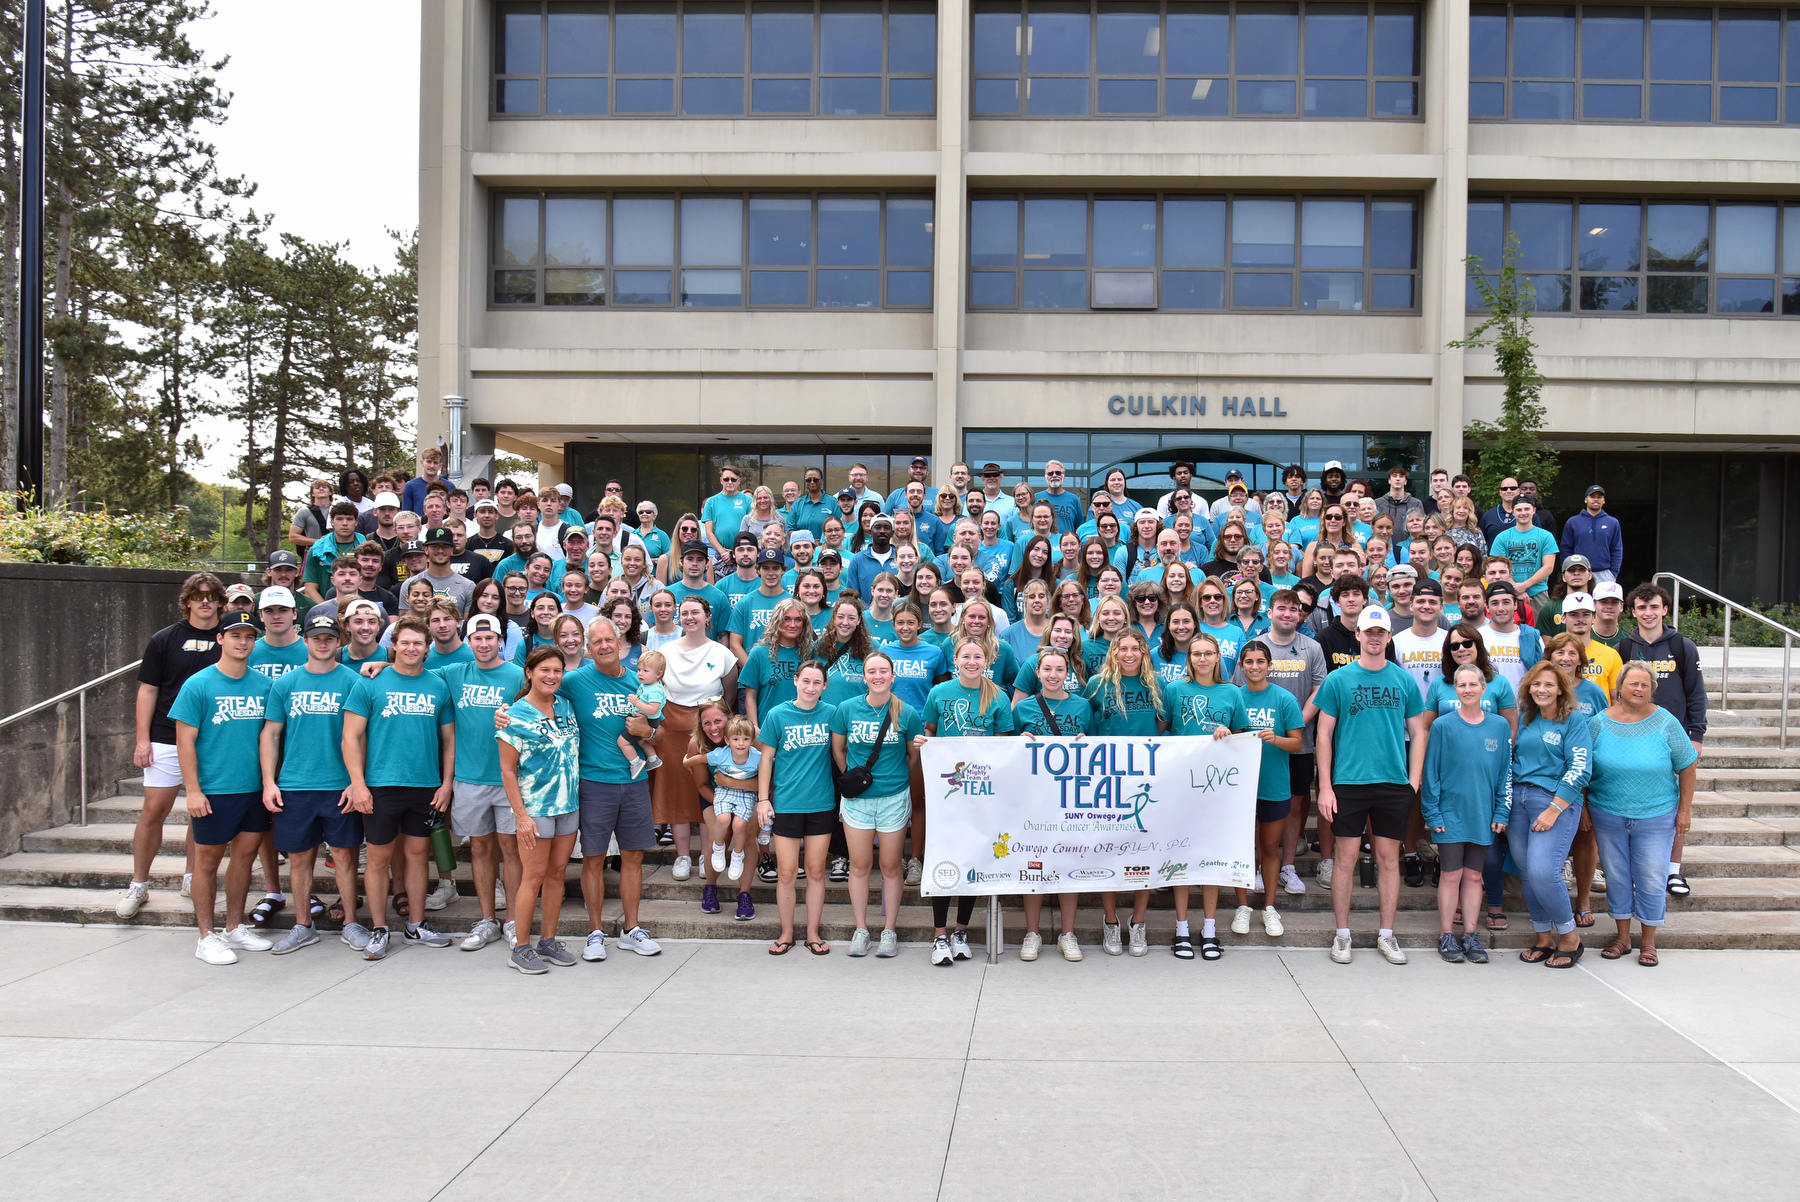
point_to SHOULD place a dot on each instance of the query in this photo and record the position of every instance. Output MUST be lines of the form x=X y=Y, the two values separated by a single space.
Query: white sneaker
x=442 y=896
x=1240 y=921
x=1323 y=875
x=1028 y=946
x=499 y=894
x=136 y=894
x=1109 y=939
x=1340 y=949
x=1389 y=947
x=684 y=867
x=212 y=949
x=510 y=933
x=484 y=932
x=718 y=858
x=1069 y=946
x=596 y=946
x=243 y=939
x=1568 y=875
x=914 y=870
x=1140 y=942
x=1599 y=881
x=959 y=945
x=1272 y=923
x=638 y=940
x=941 y=955
x=736 y=871
x=187 y=890
x=1290 y=880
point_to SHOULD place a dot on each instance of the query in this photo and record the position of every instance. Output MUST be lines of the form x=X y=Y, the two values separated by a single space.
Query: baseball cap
x=236 y=620
x=695 y=547
x=846 y=494
x=235 y=592
x=1403 y=569
x=1499 y=586
x=1233 y=474
x=1331 y=463
x=830 y=553
x=744 y=539
x=438 y=536
x=992 y=469
x=1609 y=592
x=1374 y=617
x=412 y=547
x=486 y=622
x=920 y=461
x=273 y=597
x=488 y=503
x=800 y=536
x=386 y=498
x=1575 y=601
x=577 y=532
x=1572 y=560
x=283 y=559
x=321 y=624
x=1426 y=587
x=881 y=519
x=360 y=604
x=563 y=490
x=1594 y=490
x=770 y=555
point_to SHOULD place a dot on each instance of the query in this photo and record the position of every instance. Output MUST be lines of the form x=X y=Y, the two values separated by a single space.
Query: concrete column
x=449 y=36
x=950 y=234
x=1446 y=221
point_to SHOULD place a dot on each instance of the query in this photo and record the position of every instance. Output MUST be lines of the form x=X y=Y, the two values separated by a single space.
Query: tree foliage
x=1512 y=446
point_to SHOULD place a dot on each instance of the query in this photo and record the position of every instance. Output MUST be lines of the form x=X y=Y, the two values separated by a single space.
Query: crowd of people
x=1453 y=690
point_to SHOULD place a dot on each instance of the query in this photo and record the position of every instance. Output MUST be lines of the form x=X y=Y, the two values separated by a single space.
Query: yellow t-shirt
x=1603 y=666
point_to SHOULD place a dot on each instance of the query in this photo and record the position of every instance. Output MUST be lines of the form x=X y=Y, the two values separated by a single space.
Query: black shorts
x=801 y=826
x=1384 y=808
x=233 y=814
x=1300 y=775
x=1273 y=811
x=399 y=810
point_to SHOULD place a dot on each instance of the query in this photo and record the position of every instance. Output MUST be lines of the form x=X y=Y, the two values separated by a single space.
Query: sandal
x=1678 y=886
x=315 y=907
x=818 y=947
x=1210 y=949
x=1183 y=947
x=1568 y=958
x=335 y=911
x=266 y=909
x=1537 y=955
x=781 y=947
x=1581 y=914
x=1496 y=920
x=1615 y=949
x=1647 y=957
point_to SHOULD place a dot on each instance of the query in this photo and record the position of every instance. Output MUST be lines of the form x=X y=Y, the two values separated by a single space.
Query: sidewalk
x=134 y=1070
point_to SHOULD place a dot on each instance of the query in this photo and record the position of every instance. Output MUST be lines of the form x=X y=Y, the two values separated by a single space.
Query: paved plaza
x=715 y=1070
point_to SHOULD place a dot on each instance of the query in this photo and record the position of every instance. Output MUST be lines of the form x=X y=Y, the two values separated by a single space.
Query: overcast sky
x=324 y=118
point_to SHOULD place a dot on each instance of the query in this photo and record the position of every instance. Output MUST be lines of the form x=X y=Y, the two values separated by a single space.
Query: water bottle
x=762 y=834
x=442 y=849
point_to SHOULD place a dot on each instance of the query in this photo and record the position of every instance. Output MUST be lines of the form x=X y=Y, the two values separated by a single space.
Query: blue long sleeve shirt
x=1557 y=757
x=1597 y=538
x=1467 y=783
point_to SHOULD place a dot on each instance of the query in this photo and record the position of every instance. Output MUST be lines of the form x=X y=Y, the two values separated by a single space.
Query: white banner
x=1014 y=815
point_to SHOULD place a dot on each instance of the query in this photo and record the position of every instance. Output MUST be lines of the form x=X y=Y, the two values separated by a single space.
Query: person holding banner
x=1064 y=635
x=969 y=706
x=1179 y=629
x=1297 y=668
x=886 y=805
x=1276 y=718
x=1369 y=772
x=1127 y=700
x=918 y=666
x=1466 y=799
x=1203 y=704
x=1055 y=712
x=795 y=793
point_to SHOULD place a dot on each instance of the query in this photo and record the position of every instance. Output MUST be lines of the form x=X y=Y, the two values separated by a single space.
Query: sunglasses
x=1147 y=601
x=1458 y=646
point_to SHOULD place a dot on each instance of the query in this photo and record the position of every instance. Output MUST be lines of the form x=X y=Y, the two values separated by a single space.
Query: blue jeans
x=1493 y=873
x=1540 y=855
x=1634 y=854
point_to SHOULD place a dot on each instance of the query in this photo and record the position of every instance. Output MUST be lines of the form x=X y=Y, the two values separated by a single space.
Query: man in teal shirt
x=750 y=616
x=321 y=555
x=1531 y=549
x=723 y=513
x=479 y=810
x=693 y=584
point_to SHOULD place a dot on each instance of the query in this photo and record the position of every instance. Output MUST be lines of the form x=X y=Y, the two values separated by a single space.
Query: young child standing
x=734 y=767
x=649 y=700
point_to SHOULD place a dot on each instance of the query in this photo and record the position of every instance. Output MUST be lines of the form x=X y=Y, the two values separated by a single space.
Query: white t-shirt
x=1422 y=658
x=1503 y=653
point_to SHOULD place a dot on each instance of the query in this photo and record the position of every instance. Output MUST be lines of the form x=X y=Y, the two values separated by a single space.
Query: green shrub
x=1706 y=625
x=99 y=537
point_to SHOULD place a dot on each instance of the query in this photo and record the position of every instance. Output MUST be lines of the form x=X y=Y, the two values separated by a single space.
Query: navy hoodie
x=1680 y=687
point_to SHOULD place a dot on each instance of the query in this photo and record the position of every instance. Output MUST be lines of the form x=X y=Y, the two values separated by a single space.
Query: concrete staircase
x=1742 y=860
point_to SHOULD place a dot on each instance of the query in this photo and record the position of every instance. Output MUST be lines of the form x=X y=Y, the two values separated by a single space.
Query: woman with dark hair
x=1334 y=535
x=539 y=629
x=865 y=512
x=540 y=769
x=1034 y=564
x=1552 y=760
x=1060 y=634
x=1094 y=558
x=1463 y=645
x=1145 y=605
x=1465 y=798
x=623 y=613
x=1070 y=598
x=1180 y=624
x=926 y=580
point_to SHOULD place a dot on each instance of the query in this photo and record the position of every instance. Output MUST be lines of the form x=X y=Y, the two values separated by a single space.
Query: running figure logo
x=955 y=778
x=1139 y=801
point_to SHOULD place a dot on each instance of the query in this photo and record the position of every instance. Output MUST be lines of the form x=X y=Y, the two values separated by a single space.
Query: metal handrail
x=1788 y=636
x=79 y=692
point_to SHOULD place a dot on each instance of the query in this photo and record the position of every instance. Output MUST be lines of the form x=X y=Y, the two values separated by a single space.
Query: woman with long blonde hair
x=1111 y=619
x=1127 y=700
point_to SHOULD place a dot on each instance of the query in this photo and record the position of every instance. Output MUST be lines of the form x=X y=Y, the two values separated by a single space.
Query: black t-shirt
x=1343 y=648
x=173 y=654
x=471 y=566
x=491 y=549
x=388 y=601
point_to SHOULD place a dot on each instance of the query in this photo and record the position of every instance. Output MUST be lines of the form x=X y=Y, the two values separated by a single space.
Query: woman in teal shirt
x=976 y=625
x=1127 y=700
x=542 y=615
x=1111 y=619
x=796 y=796
x=842 y=649
x=1203 y=704
x=1551 y=764
x=1052 y=712
x=1642 y=792
x=768 y=675
x=1063 y=634
x=886 y=806
x=540 y=768
x=1463 y=645
x=1465 y=797
x=1180 y=626
x=1274 y=717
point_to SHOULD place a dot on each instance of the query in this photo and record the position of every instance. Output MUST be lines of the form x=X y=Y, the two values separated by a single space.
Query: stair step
x=1716 y=757
x=1713 y=861
x=1748 y=734
x=113 y=837
x=125 y=808
x=1745 y=780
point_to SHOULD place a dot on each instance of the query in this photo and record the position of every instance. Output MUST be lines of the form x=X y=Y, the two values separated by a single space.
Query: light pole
x=31 y=263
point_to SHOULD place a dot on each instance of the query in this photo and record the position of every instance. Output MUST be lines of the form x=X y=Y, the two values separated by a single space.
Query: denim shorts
x=884 y=814
x=735 y=803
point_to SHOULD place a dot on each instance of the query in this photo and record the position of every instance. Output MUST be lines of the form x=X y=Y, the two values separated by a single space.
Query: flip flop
x=1495 y=922
x=335 y=911
x=1581 y=914
x=1616 y=949
x=781 y=947
x=818 y=947
x=1537 y=955
x=1571 y=957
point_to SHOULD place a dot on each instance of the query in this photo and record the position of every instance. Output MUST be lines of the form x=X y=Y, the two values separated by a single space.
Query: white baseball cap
x=1408 y=571
x=275 y=596
x=1331 y=464
x=1608 y=591
x=359 y=604
x=486 y=622
x=488 y=503
x=1575 y=601
x=563 y=490
x=386 y=498
x=1374 y=617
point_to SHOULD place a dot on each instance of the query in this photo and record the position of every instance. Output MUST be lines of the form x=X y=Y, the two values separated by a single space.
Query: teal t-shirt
x=750 y=616
x=1272 y=709
x=435 y=659
x=602 y=703
x=956 y=712
x=726 y=514
x=1026 y=679
x=276 y=662
x=916 y=668
x=719 y=612
x=1590 y=698
x=859 y=723
x=770 y=671
x=476 y=695
x=404 y=713
x=1635 y=764
x=879 y=631
x=549 y=769
x=1369 y=745
x=310 y=708
x=843 y=680
x=1498 y=696
x=1139 y=717
x=1169 y=671
x=1074 y=716
x=1195 y=709
x=1526 y=549
x=227 y=716
x=801 y=741
x=1093 y=652
x=735 y=586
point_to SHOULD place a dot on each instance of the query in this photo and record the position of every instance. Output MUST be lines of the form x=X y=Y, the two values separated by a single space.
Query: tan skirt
x=673 y=796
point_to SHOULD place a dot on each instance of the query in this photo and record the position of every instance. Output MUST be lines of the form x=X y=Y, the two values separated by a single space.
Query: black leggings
x=940 y=910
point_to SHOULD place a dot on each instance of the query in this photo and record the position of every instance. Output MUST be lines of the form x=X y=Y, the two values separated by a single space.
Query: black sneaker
x=1412 y=870
x=665 y=835
x=840 y=868
x=765 y=870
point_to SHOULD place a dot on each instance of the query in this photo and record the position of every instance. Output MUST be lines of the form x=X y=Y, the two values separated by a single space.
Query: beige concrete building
x=657 y=236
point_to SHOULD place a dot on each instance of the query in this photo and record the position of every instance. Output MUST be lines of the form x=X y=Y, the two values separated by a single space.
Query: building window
x=1195 y=59
x=715 y=58
x=1260 y=253
x=1607 y=255
x=712 y=250
x=1658 y=64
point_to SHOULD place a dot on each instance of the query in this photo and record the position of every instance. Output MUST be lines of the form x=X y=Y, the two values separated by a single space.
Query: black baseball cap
x=283 y=559
x=830 y=553
x=439 y=536
x=770 y=555
x=1499 y=586
x=695 y=547
x=236 y=619
x=1594 y=490
x=320 y=624
x=1428 y=588
x=413 y=547
x=744 y=539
